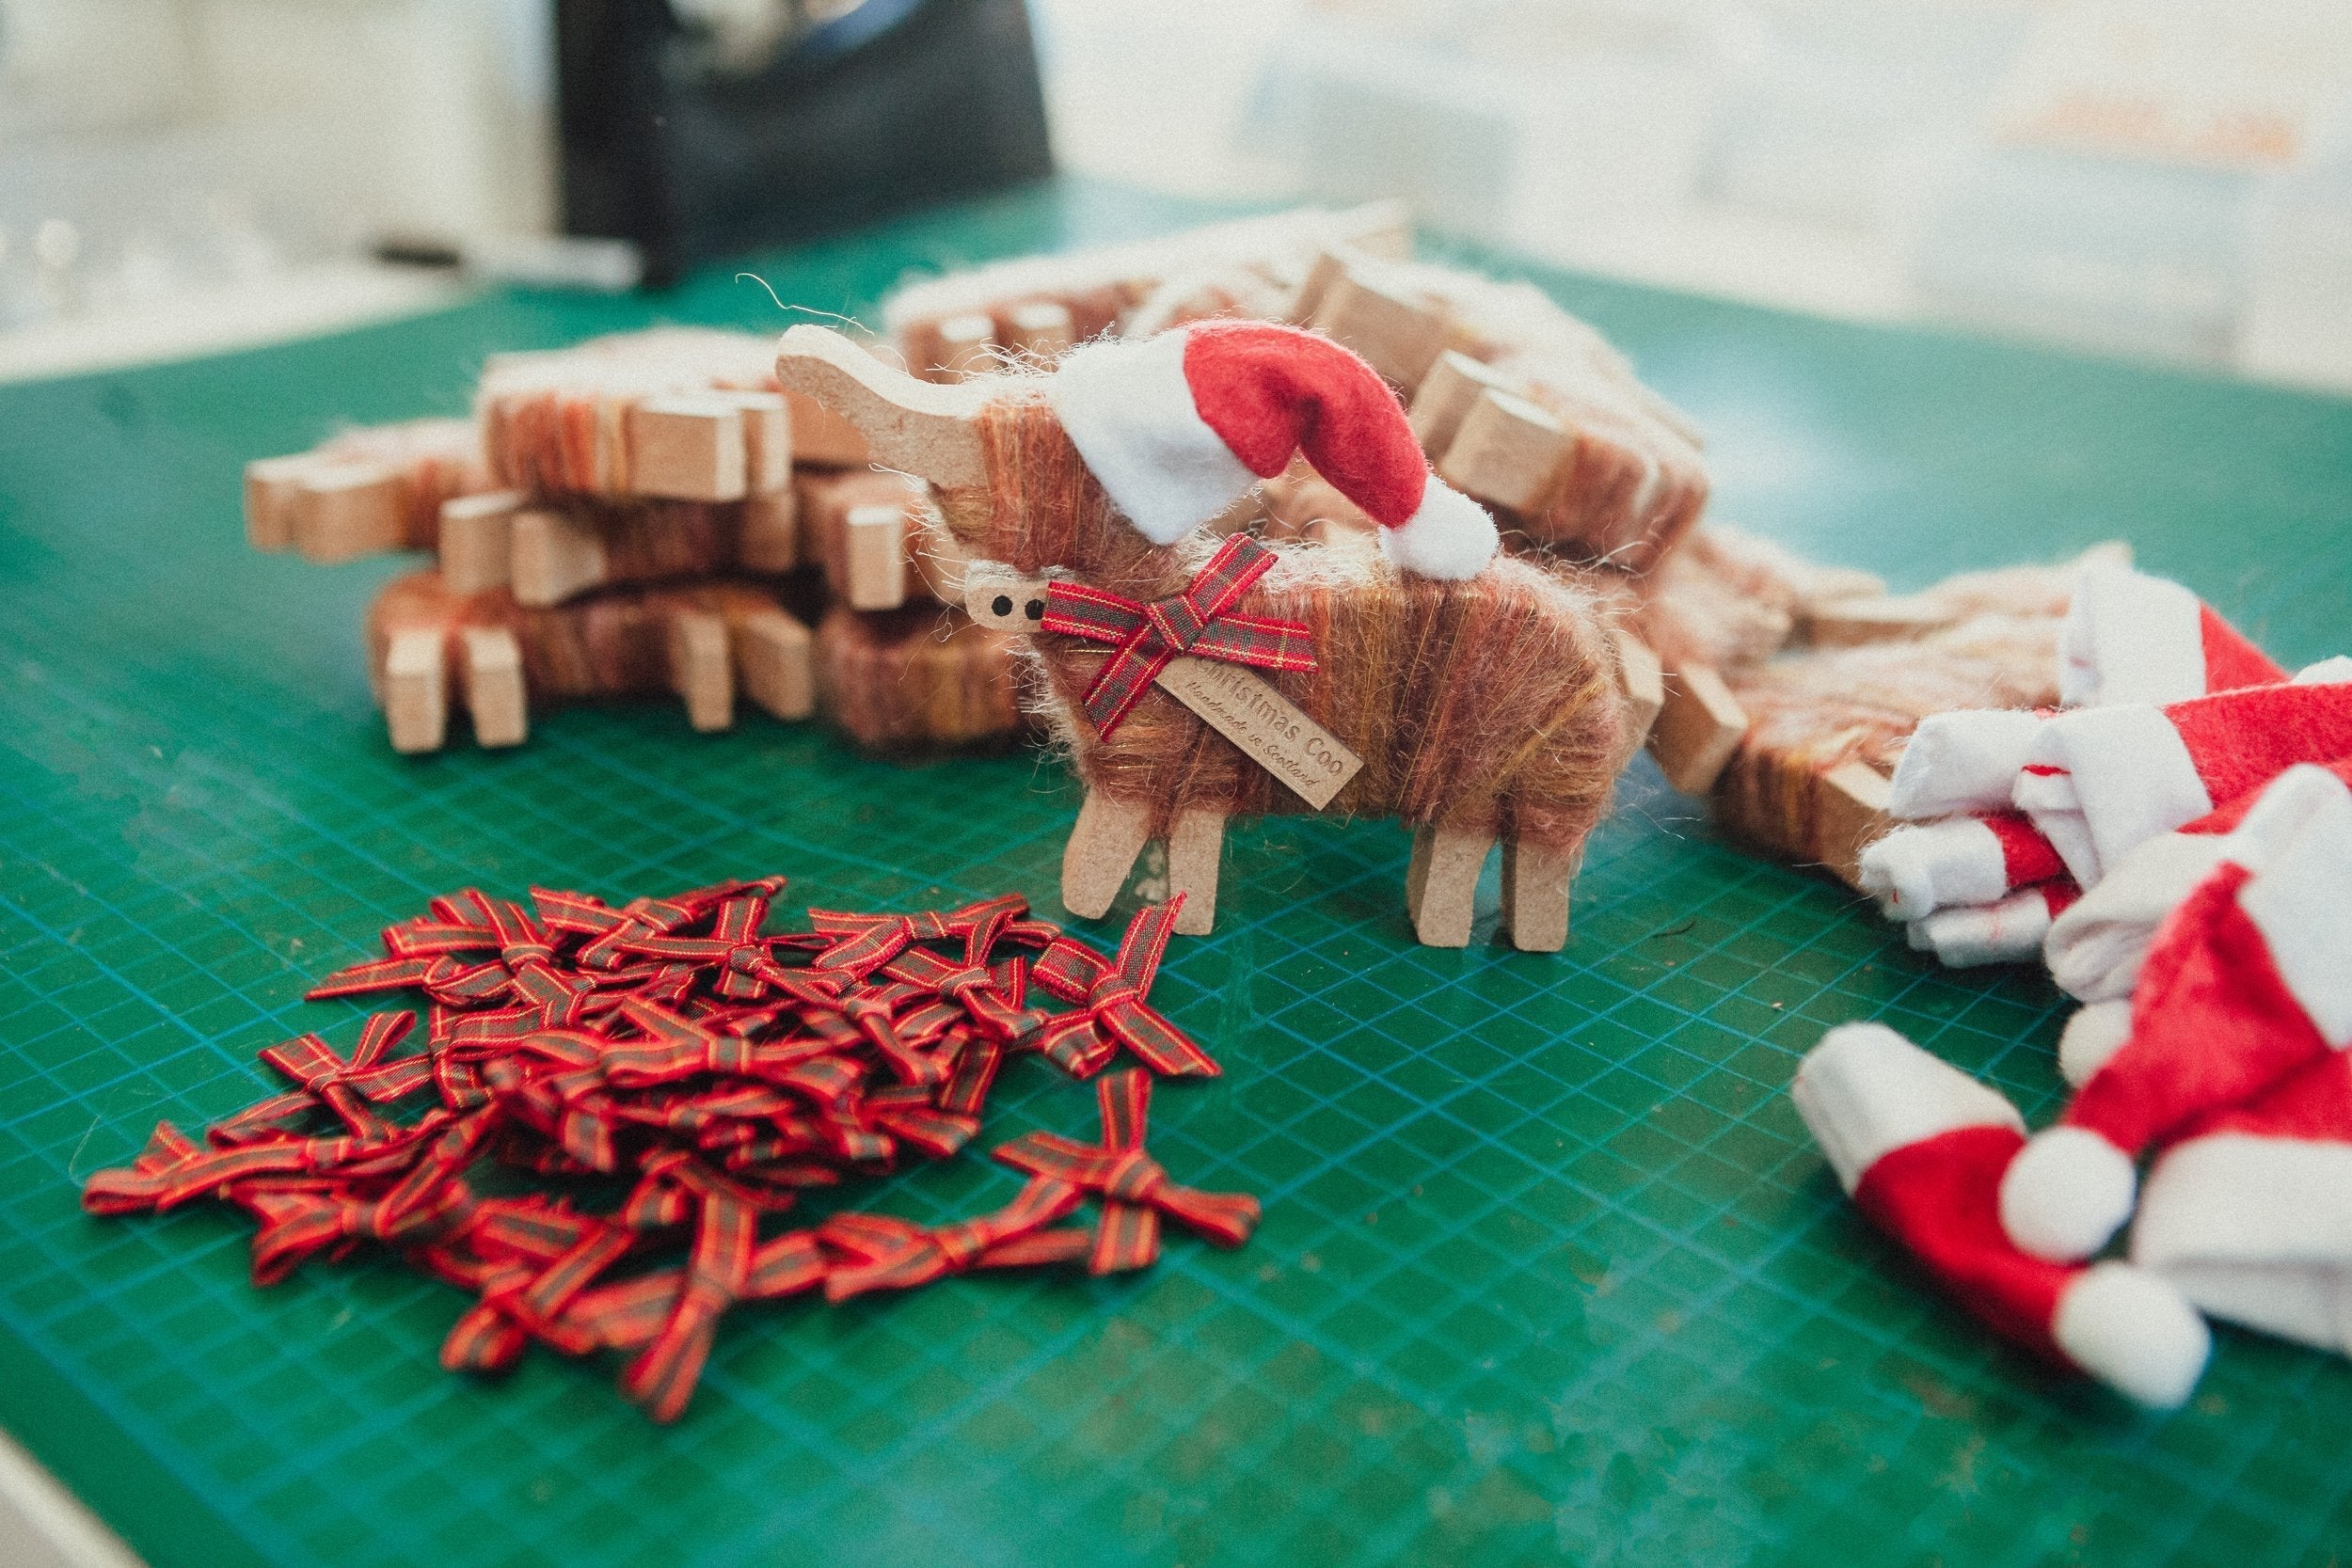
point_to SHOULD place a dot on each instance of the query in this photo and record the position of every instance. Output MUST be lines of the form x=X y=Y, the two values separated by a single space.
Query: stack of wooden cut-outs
x=639 y=515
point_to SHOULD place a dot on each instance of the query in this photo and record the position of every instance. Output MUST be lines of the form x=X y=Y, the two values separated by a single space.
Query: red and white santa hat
x=2249 y=1214
x=2100 y=781
x=2009 y=930
x=2096 y=948
x=2132 y=638
x=1962 y=761
x=1178 y=427
x=1914 y=871
x=2245 y=983
x=1920 y=1146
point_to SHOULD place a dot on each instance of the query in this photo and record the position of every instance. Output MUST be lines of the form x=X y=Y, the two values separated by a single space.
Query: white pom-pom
x=2065 y=1194
x=1450 y=537
x=2134 y=1333
x=2092 y=1034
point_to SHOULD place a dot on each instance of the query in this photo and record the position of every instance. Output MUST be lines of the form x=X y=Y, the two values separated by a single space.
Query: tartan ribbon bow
x=1135 y=1188
x=347 y=1086
x=861 y=943
x=880 y=1252
x=1199 y=621
x=1113 y=1011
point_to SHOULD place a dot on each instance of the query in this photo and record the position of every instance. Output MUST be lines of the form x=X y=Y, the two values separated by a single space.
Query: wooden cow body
x=1483 y=709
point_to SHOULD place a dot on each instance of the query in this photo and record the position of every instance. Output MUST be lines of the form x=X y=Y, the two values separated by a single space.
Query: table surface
x=1548 y=1273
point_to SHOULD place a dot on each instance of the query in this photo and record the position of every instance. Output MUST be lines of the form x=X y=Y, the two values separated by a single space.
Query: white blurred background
x=2160 y=178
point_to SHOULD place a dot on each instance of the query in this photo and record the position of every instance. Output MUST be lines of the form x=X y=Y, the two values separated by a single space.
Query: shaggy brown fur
x=1487 y=704
x=611 y=645
x=917 y=676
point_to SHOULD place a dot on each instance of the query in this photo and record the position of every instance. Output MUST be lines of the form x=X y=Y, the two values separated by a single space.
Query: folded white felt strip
x=1964 y=761
x=2099 y=781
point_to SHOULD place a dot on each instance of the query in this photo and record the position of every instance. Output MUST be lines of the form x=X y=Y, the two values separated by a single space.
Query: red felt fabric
x=2227 y=815
x=1940 y=1197
x=2026 y=856
x=2231 y=659
x=1269 y=391
x=2313 y=1104
x=2241 y=740
x=2212 y=1025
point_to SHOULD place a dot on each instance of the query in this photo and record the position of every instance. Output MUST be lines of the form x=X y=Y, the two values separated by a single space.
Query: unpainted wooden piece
x=966 y=346
x=874 y=557
x=939 y=562
x=416 y=690
x=495 y=695
x=1441 y=881
x=477 y=540
x=273 y=496
x=1643 y=683
x=1697 y=729
x=701 y=671
x=773 y=663
x=1399 y=335
x=917 y=426
x=1003 y=600
x=343 y=511
x=1507 y=452
x=1444 y=397
x=822 y=437
x=1849 y=813
x=1103 y=843
x=688 y=446
x=858 y=526
x=1851 y=622
x=1536 y=885
x=767 y=440
x=772 y=531
x=1040 y=328
x=1195 y=843
x=555 y=555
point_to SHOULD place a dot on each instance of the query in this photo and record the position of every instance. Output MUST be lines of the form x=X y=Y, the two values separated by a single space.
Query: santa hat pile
x=2009 y=818
x=1179 y=426
x=1920 y=1147
x=2228 y=1056
x=2181 y=853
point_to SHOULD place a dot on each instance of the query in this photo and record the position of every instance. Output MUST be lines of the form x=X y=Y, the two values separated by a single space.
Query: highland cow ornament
x=1195 y=678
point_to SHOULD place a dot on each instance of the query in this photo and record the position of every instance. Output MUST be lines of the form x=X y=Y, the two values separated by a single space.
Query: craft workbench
x=1550 y=1271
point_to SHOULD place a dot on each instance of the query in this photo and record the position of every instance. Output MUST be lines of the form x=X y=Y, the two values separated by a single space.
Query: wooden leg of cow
x=1194 y=845
x=493 y=677
x=773 y=663
x=1442 y=882
x=1103 y=848
x=416 y=690
x=1535 y=895
x=701 y=671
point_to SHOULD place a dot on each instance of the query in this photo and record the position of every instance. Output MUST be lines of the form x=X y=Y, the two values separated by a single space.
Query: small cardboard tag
x=1240 y=705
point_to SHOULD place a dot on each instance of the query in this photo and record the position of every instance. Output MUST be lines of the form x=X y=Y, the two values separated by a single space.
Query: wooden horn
x=921 y=427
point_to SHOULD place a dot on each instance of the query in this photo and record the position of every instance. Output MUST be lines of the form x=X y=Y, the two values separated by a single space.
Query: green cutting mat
x=1549 y=1271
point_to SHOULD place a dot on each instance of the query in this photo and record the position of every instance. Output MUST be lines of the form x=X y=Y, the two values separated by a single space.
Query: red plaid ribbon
x=1134 y=1187
x=883 y=1253
x=1115 y=1013
x=1198 y=621
x=670 y=1044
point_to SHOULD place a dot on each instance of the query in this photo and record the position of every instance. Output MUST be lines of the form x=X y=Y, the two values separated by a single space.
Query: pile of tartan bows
x=669 y=1053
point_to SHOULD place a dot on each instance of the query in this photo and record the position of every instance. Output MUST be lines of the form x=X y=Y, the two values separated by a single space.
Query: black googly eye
x=1001 y=604
x=1035 y=610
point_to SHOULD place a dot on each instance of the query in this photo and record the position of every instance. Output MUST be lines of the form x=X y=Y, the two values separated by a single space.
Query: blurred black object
x=694 y=128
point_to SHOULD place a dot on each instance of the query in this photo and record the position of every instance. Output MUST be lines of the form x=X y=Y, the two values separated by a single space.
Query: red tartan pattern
x=1134 y=1187
x=1199 y=621
x=721 y=1071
